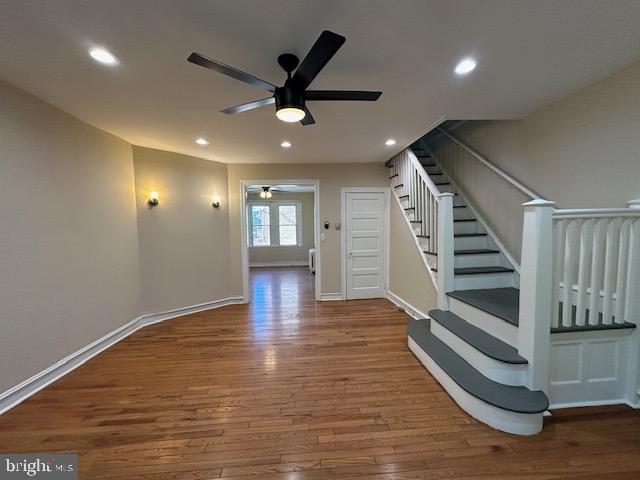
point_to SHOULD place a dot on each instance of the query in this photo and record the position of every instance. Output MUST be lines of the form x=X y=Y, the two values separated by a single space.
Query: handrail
x=423 y=174
x=596 y=212
x=491 y=166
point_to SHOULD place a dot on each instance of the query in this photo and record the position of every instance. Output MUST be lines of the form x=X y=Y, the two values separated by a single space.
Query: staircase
x=474 y=344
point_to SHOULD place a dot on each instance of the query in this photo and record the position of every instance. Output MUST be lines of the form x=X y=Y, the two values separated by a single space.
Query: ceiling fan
x=291 y=98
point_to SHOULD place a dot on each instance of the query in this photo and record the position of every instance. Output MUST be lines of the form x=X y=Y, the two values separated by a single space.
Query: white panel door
x=365 y=244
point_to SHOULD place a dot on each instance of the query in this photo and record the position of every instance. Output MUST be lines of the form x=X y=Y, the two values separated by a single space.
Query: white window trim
x=274 y=222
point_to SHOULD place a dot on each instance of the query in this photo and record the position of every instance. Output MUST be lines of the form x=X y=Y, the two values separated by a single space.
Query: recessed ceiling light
x=285 y=144
x=465 y=66
x=390 y=142
x=201 y=141
x=103 y=56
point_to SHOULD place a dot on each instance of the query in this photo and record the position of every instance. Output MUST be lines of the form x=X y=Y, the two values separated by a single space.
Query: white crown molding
x=18 y=393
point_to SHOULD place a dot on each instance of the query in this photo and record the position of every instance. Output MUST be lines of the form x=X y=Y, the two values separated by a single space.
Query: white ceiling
x=529 y=53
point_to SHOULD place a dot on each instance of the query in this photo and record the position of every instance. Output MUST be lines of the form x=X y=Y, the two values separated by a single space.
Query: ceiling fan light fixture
x=266 y=192
x=290 y=114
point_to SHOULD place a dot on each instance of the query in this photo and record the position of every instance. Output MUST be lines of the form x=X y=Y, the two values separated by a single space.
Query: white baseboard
x=284 y=263
x=330 y=297
x=406 y=306
x=40 y=380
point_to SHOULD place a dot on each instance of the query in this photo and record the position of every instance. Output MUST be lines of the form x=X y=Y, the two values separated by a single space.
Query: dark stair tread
x=422 y=236
x=399 y=185
x=507 y=397
x=478 y=338
x=409 y=208
x=469 y=234
x=403 y=196
x=464 y=220
x=475 y=251
x=394 y=176
x=459 y=206
x=442 y=183
x=472 y=251
x=415 y=221
x=478 y=270
x=503 y=303
x=591 y=328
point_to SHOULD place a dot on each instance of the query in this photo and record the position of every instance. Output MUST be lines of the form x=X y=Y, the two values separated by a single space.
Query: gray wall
x=184 y=241
x=69 y=248
x=408 y=277
x=582 y=151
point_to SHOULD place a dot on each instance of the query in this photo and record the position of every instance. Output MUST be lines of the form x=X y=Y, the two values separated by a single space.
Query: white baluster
x=609 y=265
x=559 y=232
x=596 y=270
x=570 y=258
x=584 y=270
x=536 y=273
x=621 y=277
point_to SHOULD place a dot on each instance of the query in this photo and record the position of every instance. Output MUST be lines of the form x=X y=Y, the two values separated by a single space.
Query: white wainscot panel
x=587 y=368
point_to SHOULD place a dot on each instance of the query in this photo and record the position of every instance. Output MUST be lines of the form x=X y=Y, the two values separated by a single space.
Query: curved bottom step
x=526 y=422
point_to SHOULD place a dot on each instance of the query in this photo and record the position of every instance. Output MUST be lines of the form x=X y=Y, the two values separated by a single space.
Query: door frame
x=315 y=183
x=343 y=235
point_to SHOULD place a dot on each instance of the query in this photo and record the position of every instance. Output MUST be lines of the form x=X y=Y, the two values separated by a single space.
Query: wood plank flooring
x=287 y=388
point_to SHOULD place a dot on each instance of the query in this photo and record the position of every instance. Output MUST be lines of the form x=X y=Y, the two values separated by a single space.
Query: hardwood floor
x=287 y=388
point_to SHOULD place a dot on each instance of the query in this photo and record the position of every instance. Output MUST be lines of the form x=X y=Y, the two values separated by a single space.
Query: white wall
x=69 y=269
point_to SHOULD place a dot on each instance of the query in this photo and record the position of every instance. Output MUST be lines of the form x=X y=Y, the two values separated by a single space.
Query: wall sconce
x=215 y=201
x=153 y=199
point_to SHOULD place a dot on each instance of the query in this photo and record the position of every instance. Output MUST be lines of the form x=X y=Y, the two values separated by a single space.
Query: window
x=260 y=226
x=288 y=225
x=274 y=223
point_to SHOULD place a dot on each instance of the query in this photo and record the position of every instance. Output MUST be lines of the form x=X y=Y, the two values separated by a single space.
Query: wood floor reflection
x=289 y=388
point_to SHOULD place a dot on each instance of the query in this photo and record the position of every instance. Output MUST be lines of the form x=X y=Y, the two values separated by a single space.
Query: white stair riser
x=488 y=280
x=478 y=260
x=505 y=373
x=462 y=213
x=467 y=227
x=504 y=420
x=491 y=324
x=470 y=243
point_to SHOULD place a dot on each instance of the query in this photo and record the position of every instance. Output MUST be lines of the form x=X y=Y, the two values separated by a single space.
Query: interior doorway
x=280 y=231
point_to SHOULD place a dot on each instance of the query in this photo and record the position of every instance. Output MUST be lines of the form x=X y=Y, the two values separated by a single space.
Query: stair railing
x=434 y=210
x=580 y=269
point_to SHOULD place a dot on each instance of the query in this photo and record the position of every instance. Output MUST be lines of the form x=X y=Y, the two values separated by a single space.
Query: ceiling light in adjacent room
x=390 y=142
x=465 y=66
x=266 y=192
x=285 y=144
x=202 y=141
x=103 y=56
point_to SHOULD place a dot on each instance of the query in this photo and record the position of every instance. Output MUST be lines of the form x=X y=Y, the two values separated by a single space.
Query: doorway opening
x=280 y=239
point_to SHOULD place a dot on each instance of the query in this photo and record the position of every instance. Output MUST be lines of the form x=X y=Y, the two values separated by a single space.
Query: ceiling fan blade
x=249 y=106
x=308 y=118
x=325 y=47
x=230 y=71
x=342 y=95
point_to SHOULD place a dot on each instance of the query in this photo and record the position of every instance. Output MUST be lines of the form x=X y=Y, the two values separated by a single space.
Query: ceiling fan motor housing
x=289 y=97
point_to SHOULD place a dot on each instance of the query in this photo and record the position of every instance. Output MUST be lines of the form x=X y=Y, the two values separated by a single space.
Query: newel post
x=445 y=248
x=536 y=274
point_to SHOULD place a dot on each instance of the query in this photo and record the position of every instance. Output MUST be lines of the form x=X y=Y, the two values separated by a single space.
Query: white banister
x=445 y=249
x=596 y=264
x=491 y=166
x=535 y=292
